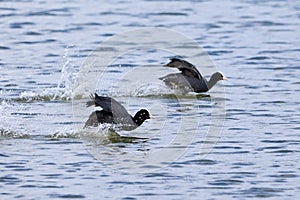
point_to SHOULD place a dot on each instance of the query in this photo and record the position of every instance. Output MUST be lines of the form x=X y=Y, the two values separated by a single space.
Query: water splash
x=150 y=90
x=69 y=73
x=8 y=133
x=5 y=117
x=64 y=132
x=64 y=88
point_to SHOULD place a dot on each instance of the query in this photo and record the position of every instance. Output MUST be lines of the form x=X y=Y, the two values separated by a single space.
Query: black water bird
x=114 y=113
x=190 y=79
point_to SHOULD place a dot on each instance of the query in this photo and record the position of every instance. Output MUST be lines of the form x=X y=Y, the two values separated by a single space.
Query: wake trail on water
x=16 y=111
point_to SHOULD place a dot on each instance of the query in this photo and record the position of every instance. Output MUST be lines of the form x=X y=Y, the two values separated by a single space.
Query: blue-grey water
x=255 y=153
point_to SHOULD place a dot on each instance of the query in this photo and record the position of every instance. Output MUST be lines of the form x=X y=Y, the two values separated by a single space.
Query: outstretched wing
x=108 y=104
x=186 y=68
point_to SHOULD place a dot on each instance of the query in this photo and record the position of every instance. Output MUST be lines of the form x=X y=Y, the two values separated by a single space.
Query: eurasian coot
x=190 y=79
x=114 y=113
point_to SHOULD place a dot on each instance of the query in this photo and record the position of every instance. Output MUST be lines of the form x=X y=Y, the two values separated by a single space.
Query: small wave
x=159 y=91
x=6 y=117
x=150 y=90
x=4 y=48
x=95 y=136
x=169 y=14
x=104 y=136
x=48 y=94
x=7 y=133
x=60 y=135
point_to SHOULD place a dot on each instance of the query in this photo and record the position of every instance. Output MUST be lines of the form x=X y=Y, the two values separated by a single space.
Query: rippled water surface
x=191 y=149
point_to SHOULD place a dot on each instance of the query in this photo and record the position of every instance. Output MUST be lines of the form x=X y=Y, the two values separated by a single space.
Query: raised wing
x=108 y=104
x=186 y=68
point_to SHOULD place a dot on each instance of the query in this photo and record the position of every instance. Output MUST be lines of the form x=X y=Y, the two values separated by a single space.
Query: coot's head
x=141 y=116
x=218 y=76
